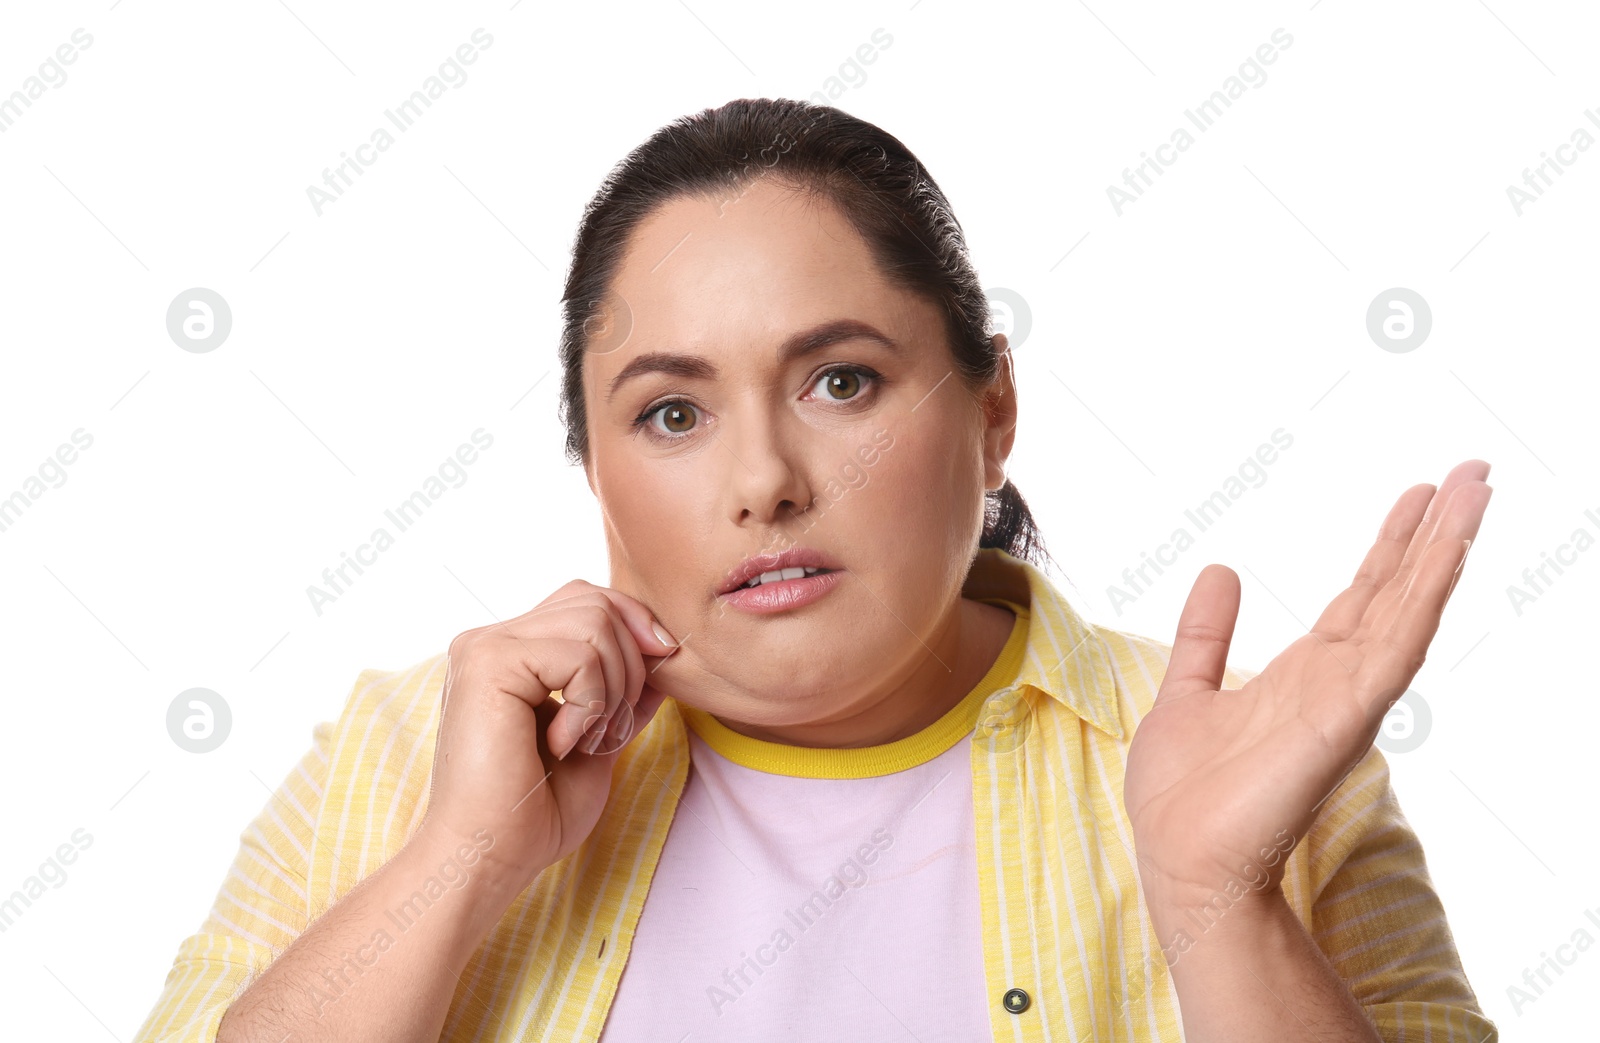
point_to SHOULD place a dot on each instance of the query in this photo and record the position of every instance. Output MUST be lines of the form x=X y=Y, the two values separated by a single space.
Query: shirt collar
x=1065 y=657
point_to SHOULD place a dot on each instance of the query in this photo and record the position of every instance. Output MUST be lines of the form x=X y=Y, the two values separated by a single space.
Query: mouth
x=797 y=561
x=782 y=590
x=774 y=582
x=780 y=576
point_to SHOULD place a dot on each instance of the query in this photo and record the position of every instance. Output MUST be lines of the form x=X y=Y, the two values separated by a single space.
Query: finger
x=510 y=665
x=1383 y=559
x=589 y=618
x=653 y=637
x=1400 y=643
x=1394 y=655
x=639 y=632
x=639 y=625
x=1458 y=520
x=611 y=730
x=1205 y=630
x=628 y=722
x=640 y=621
x=1460 y=474
x=552 y=665
x=578 y=672
x=626 y=653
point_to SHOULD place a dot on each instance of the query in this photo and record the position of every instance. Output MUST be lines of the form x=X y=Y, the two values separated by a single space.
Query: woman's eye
x=676 y=417
x=841 y=384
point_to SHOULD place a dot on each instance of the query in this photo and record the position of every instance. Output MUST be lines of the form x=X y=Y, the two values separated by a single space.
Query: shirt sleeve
x=259 y=910
x=1376 y=916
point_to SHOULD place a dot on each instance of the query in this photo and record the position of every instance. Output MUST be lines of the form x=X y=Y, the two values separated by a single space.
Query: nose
x=766 y=478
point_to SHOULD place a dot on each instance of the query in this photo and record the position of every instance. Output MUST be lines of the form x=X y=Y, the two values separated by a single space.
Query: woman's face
x=711 y=439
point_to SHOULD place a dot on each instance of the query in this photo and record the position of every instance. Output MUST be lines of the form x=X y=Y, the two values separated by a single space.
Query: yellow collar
x=1065 y=657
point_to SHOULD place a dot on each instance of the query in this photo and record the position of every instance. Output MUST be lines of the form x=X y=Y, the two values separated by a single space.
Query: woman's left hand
x=1220 y=785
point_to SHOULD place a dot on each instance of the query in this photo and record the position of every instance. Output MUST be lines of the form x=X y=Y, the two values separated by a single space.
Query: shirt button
x=1016 y=1001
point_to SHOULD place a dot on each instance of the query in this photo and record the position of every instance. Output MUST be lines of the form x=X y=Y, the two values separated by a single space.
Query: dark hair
x=882 y=189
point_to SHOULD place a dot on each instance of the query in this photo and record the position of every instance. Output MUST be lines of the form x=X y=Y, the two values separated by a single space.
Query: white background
x=368 y=342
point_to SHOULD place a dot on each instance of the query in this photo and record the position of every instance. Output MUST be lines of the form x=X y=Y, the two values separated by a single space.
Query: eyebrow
x=796 y=346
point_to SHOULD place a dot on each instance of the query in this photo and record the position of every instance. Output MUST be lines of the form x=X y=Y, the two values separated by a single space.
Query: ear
x=1000 y=418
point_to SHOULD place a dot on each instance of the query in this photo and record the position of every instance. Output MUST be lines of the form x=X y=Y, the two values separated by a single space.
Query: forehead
x=747 y=269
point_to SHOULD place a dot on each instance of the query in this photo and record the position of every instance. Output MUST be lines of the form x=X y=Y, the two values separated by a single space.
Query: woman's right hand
x=509 y=767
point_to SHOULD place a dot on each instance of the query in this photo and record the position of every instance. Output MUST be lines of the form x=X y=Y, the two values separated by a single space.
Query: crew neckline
x=862 y=762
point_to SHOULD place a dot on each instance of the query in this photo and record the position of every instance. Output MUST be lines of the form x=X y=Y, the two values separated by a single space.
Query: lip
x=784 y=594
x=793 y=557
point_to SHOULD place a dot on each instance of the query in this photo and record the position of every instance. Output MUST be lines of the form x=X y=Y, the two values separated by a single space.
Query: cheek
x=650 y=514
x=924 y=477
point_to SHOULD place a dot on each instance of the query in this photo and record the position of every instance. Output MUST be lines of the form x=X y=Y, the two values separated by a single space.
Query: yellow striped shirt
x=1063 y=913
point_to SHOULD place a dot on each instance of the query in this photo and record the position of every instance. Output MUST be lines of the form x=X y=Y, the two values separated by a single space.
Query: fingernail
x=593 y=743
x=662 y=634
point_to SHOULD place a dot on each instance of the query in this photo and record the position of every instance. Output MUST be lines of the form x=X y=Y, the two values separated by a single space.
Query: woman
x=917 y=805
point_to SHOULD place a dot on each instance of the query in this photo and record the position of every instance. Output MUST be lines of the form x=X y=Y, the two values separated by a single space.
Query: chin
x=771 y=688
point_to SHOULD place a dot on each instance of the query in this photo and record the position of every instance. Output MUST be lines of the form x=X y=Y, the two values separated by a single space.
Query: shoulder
x=388 y=727
x=384 y=701
x=381 y=748
x=376 y=780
